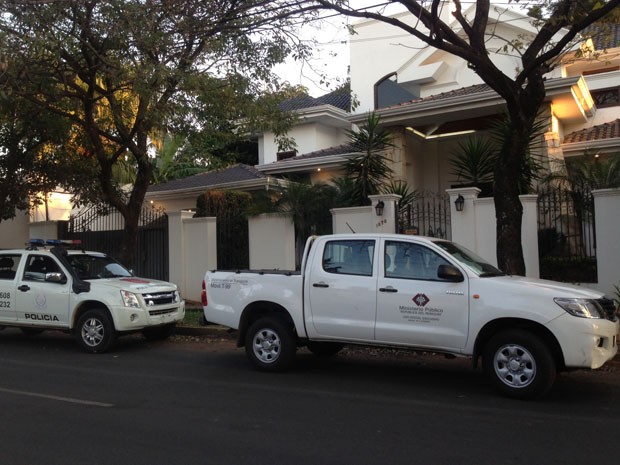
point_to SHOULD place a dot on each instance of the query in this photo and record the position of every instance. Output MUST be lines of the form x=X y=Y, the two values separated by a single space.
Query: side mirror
x=450 y=273
x=56 y=277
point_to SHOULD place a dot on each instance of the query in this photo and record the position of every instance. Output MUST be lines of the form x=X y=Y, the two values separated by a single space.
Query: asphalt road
x=199 y=402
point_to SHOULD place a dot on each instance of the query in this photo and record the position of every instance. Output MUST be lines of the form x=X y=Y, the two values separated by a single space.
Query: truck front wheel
x=270 y=344
x=95 y=331
x=519 y=364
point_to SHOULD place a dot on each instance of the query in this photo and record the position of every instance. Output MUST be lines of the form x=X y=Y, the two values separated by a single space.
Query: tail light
x=203 y=295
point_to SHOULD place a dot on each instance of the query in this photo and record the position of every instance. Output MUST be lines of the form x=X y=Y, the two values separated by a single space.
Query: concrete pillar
x=529 y=235
x=176 y=249
x=464 y=228
x=607 y=224
x=388 y=221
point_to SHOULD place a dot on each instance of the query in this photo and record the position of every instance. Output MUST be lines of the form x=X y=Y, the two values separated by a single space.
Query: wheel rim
x=93 y=332
x=266 y=345
x=514 y=366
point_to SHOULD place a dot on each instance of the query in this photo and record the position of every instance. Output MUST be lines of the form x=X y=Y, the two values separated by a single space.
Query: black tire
x=95 y=331
x=325 y=349
x=519 y=364
x=270 y=344
x=159 y=333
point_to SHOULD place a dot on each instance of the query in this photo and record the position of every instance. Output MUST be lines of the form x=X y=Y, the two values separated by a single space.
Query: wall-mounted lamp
x=379 y=208
x=459 y=203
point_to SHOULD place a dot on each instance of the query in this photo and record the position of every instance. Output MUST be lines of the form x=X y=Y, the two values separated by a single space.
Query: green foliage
x=407 y=197
x=309 y=205
x=474 y=160
x=222 y=203
x=568 y=269
x=117 y=72
x=370 y=170
x=594 y=173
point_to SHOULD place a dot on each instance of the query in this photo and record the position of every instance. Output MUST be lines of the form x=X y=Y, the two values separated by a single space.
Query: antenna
x=352 y=230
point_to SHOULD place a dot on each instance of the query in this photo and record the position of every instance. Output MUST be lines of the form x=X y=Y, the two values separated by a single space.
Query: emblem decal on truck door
x=421 y=300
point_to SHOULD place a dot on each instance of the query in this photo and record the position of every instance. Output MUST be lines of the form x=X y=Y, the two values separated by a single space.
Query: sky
x=330 y=58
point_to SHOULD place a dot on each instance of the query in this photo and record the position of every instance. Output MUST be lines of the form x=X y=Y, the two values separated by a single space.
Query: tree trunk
x=522 y=112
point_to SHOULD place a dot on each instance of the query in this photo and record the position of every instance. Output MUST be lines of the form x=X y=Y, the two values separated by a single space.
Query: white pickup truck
x=55 y=286
x=418 y=293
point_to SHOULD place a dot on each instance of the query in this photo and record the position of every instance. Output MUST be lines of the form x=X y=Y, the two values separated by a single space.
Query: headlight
x=177 y=297
x=583 y=308
x=130 y=299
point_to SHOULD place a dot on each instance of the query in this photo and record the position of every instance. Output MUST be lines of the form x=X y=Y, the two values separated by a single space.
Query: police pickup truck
x=419 y=293
x=54 y=285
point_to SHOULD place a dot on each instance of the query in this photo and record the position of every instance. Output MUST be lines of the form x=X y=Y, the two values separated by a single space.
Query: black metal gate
x=427 y=215
x=567 y=235
x=103 y=232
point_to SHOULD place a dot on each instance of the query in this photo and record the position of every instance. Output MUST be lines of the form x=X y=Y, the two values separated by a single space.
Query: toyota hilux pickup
x=57 y=285
x=419 y=293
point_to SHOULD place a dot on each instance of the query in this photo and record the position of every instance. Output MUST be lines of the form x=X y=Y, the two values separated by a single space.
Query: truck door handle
x=24 y=288
x=320 y=285
x=387 y=289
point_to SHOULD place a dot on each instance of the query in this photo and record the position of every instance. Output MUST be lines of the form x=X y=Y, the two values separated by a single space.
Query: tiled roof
x=463 y=91
x=340 y=98
x=604 y=36
x=336 y=150
x=609 y=130
x=235 y=173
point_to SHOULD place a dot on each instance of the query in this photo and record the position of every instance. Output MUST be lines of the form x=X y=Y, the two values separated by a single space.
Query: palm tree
x=369 y=171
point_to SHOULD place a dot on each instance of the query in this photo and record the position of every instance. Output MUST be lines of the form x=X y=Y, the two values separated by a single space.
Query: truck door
x=342 y=290
x=39 y=302
x=8 y=266
x=414 y=306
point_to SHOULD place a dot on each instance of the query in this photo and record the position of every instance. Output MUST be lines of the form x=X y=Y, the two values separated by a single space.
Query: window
x=411 y=261
x=8 y=265
x=37 y=266
x=606 y=97
x=353 y=257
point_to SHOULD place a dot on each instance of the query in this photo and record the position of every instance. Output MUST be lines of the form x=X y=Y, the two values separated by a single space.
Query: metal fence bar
x=427 y=215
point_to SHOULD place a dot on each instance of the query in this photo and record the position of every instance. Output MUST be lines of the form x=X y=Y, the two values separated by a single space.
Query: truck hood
x=552 y=288
x=136 y=285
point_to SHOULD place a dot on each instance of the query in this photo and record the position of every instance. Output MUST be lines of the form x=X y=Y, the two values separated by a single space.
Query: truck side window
x=353 y=257
x=8 y=265
x=411 y=261
x=37 y=266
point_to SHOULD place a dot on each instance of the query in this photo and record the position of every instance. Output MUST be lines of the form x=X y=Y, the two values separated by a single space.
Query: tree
x=118 y=72
x=557 y=22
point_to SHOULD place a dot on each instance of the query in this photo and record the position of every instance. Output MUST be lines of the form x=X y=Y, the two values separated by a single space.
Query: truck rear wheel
x=270 y=344
x=95 y=331
x=519 y=364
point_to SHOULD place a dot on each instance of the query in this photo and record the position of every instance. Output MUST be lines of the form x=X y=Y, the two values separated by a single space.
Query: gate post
x=607 y=224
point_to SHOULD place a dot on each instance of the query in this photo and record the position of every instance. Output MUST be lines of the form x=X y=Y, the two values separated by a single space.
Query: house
x=430 y=101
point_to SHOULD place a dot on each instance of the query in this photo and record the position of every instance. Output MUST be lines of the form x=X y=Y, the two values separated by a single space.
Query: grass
x=192 y=316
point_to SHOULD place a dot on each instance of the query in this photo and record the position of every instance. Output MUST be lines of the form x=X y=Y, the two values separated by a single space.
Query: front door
x=343 y=291
x=414 y=306
x=40 y=302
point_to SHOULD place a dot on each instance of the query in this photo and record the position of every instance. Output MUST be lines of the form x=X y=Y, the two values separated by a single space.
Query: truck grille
x=609 y=307
x=163 y=312
x=158 y=298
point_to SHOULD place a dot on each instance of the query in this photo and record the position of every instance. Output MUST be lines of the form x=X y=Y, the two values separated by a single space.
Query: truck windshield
x=469 y=259
x=90 y=266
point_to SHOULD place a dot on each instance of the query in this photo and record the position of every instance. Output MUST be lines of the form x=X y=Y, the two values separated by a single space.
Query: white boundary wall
x=607 y=218
x=192 y=247
x=272 y=242
x=475 y=227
